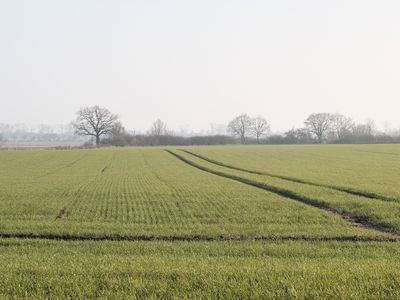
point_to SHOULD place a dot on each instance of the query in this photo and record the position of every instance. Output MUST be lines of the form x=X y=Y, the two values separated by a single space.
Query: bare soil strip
x=195 y=238
x=296 y=180
x=354 y=220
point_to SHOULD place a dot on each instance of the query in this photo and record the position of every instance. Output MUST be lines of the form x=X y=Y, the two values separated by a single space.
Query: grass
x=288 y=270
x=367 y=168
x=376 y=212
x=145 y=223
x=145 y=192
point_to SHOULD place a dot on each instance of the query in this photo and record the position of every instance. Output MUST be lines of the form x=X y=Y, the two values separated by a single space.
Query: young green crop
x=133 y=192
x=240 y=270
x=148 y=194
x=381 y=213
x=367 y=168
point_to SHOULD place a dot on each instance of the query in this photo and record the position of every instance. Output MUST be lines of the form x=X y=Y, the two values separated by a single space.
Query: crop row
x=377 y=213
x=243 y=270
x=147 y=192
x=366 y=169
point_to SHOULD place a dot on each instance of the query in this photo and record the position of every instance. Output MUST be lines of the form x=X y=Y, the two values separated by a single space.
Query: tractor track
x=196 y=238
x=354 y=220
x=350 y=191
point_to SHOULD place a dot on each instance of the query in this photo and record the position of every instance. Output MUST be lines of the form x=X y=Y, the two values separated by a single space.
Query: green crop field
x=205 y=222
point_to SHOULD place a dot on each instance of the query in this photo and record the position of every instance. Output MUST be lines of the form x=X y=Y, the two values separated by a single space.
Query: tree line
x=318 y=128
x=106 y=129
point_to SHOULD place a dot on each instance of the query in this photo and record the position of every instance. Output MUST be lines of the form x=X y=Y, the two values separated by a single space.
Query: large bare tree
x=95 y=121
x=259 y=127
x=341 y=126
x=319 y=125
x=241 y=127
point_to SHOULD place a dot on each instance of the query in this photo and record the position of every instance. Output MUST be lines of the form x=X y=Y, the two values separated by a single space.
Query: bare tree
x=259 y=127
x=365 y=132
x=241 y=126
x=371 y=127
x=95 y=121
x=319 y=125
x=341 y=126
x=158 y=128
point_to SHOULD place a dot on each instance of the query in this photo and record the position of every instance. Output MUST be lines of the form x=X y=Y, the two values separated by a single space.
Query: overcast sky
x=192 y=63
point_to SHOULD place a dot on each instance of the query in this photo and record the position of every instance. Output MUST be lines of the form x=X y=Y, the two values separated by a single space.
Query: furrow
x=196 y=238
x=354 y=220
x=68 y=165
x=351 y=191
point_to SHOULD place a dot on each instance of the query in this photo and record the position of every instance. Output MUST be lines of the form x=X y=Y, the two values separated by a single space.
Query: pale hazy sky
x=192 y=63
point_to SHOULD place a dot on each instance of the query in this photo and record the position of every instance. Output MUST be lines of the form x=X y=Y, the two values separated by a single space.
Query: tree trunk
x=97 y=140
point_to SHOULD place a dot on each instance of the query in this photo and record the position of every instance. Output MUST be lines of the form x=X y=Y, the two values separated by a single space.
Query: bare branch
x=319 y=125
x=95 y=121
x=241 y=126
x=341 y=126
x=159 y=128
x=259 y=127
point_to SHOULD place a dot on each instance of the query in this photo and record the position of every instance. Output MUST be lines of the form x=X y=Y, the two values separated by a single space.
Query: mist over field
x=193 y=64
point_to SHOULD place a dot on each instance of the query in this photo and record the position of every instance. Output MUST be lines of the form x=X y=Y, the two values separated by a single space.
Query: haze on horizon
x=194 y=63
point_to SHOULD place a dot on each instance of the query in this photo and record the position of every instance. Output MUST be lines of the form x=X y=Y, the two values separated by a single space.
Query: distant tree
x=210 y=140
x=370 y=127
x=95 y=121
x=319 y=125
x=117 y=136
x=259 y=127
x=158 y=128
x=241 y=126
x=298 y=136
x=364 y=133
x=341 y=126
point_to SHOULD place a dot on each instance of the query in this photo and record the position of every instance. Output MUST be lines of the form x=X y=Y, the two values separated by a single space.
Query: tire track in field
x=350 y=191
x=108 y=165
x=356 y=221
x=196 y=238
x=75 y=198
x=178 y=191
x=69 y=165
x=377 y=152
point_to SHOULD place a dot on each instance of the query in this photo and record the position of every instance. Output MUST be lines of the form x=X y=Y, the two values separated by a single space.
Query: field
x=237 y=222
